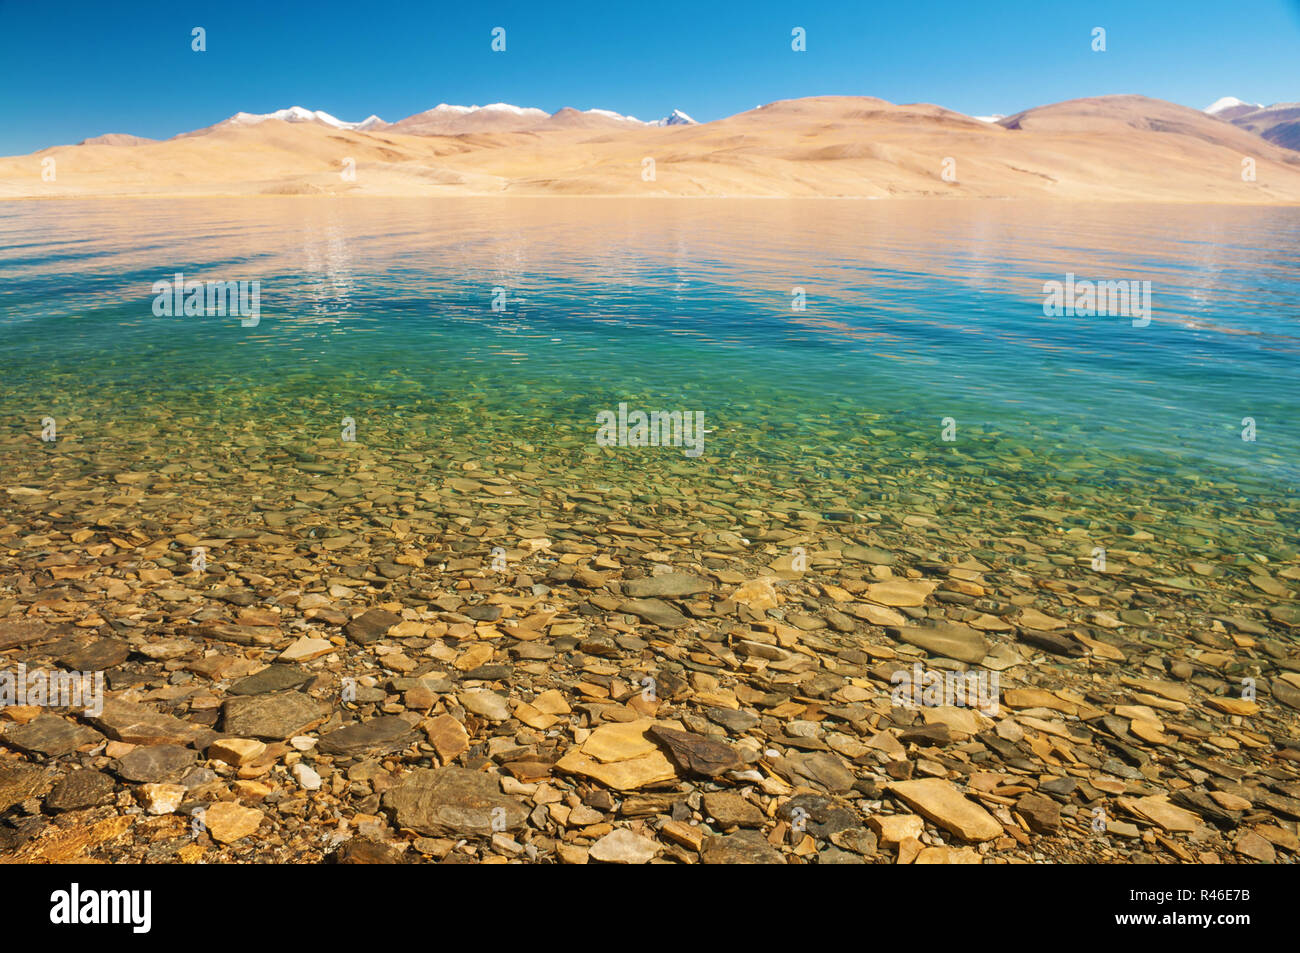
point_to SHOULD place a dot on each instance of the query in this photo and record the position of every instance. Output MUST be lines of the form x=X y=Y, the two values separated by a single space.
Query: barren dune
x=1112 y=148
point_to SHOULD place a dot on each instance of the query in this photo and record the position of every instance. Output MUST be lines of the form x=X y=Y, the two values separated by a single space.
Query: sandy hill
x=570 y=118
x=1111 y=148
x=447 y=120
x=115 y=139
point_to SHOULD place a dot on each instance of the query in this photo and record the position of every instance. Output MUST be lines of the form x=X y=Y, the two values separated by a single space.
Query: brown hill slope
x=1114 y=148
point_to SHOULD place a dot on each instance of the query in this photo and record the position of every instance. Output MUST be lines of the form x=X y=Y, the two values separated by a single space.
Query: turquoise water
x=381 y=310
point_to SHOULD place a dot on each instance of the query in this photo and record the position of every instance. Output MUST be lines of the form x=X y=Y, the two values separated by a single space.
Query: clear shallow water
x=380 y=310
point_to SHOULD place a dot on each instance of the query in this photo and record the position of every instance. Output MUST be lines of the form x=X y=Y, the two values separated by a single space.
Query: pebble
x=306 y=777
x=161 y=798
x=621 y=846
x=228 y=822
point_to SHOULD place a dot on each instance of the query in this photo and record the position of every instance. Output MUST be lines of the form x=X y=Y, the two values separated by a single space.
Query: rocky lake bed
x=492 y=646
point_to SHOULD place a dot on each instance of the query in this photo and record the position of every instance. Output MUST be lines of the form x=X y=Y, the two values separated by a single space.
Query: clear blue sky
x=71 y=70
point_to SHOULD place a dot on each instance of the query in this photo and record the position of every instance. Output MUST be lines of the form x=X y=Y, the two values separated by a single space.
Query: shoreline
x=551 y=196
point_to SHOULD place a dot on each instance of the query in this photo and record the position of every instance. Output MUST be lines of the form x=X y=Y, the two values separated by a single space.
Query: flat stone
x=163 y=650
x=821 y=816
x=672 y=585
x=690 y=836
x=1234 y=706
x=453 y=802
x=1062 y=786
x=306 y=648
x=961 y=722
x=621 y=846
x=732 y=810
x=628 y=775
x=948 y=855
x=552 y=702
x=1286 y=615
x=272 y=717
x=234 y=597
x=732 y=719
x=273 y=678
x=485 y=704
x=742 y=847
x=645 y=805
x=1035 y=698
x=228 y=822
x=263 y=635
x=945 y=805
x=868 y=554
x=50 y=736
x=478 y=654
x=1279 y=836
x=533 y=718
x=360 y=850
x=1251 y=845
x=820 y=768
x=1286 y=693
x=155 y=764
x=378 y=735
x=949 y=640
x=619 y=741
x=1159 y=811
x=899 y=592
x=654 y=611
x=14 y=634
x=877 y=615
x=926 y=736
x=696 y=753
x=757 y=594
x=859 y=840
x=161 y=798
x=236 y=751
x=97 y=656
x=138 y=724
x=448 y=737
x=1031 y=618
x=1123 y=829
x=1041 y=813
x=893 y=829
x=81 y=789
x=495 y=672
x=1053 y=642
x=370 y=626
x=833 y=855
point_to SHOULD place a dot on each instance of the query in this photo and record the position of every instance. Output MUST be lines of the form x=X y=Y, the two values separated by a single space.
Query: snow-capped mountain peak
x=299 y=114
x=610 y=114
x=445 y=108
x=513 y=110
x=444 y=116
x=1229 y=102
x=677 y=118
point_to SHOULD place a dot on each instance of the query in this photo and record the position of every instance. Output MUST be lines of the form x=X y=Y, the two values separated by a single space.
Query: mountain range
x=441 y=120
x=1278 y=123
x=1106 y=148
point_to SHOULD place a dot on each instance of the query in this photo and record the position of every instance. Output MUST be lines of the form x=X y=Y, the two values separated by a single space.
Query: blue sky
x=78 y=69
